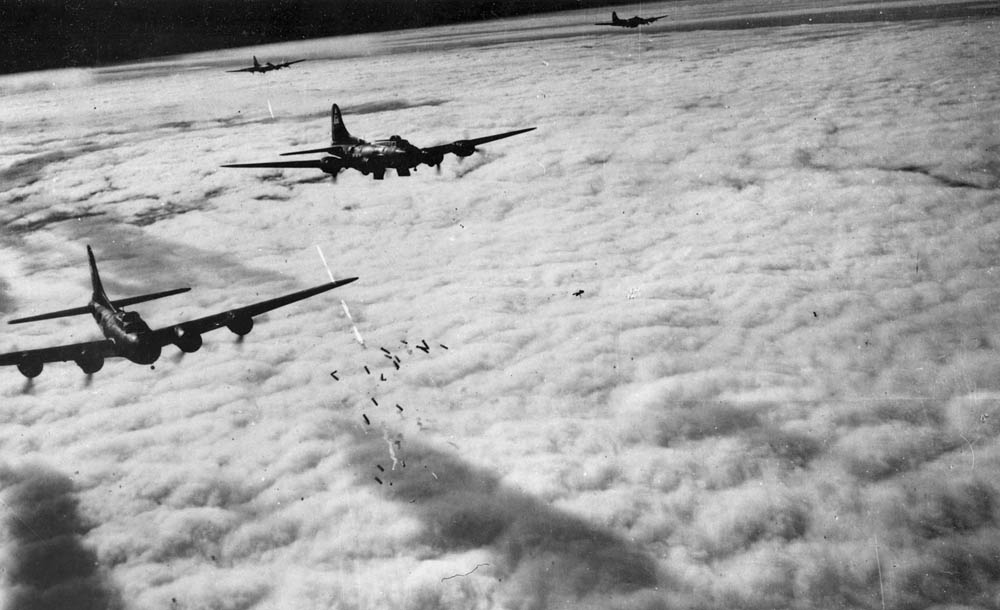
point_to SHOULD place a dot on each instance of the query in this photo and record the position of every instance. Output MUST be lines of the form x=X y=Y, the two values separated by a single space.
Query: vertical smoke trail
x=343 y=305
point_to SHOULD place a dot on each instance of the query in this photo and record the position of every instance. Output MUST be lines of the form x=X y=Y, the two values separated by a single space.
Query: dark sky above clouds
x=75 y=33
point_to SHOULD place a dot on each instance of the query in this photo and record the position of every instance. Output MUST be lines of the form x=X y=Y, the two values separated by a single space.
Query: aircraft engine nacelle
x=330 y=165
x=188 y=342
x=90 y=363
x=433 y=159
x=30 y=368
x=463 y=149
x=241 y=325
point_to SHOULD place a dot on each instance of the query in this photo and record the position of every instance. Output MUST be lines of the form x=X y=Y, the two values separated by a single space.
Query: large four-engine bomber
x=348 y=152
x=260 y=68
x=631 y=22
x=126 y=334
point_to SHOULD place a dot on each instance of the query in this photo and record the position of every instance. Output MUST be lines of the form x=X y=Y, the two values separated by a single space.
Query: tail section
x=101 y=297
x=338 y=133
x=614 y=17
x=256 y=64
x=98 y=296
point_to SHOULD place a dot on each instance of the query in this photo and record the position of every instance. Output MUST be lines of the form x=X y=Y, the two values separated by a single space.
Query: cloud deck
x=787 y=346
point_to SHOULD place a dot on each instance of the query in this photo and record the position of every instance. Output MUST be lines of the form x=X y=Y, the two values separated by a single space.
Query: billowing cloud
x=720 y=333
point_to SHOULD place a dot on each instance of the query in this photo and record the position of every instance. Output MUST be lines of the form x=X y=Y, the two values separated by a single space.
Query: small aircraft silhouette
x=346 y=151
x=632 y=22
x=257 y=67
x=128 y=336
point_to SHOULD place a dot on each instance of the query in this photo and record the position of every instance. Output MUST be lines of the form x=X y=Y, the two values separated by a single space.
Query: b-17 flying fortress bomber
x=128 y=336
x=348 y=152
x=268 y=67
x=631 y=22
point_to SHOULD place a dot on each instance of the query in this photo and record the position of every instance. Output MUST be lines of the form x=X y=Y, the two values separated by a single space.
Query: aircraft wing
x=471 y=144
x=61 y=353
x=289 y=63
x=313 y=163
x=606 y=23
x=169 y=334
x=243 y=70
x=652 y=19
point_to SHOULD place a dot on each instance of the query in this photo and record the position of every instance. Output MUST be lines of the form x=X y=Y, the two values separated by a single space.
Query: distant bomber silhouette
x=634 y=22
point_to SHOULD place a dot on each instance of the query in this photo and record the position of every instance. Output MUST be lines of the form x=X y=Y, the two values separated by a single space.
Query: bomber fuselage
x=375 y=157
x=128 y=331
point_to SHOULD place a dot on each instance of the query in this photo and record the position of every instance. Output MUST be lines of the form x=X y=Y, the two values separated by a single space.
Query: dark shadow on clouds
x=133 y=261
x=27 y=171
x=372 y=108
x=547 y=556
x=48 y=566
x=26 y=224
x=167 y=211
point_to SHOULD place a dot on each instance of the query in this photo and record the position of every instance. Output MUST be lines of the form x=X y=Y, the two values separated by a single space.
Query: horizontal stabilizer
x=332 y=150
x=79 y=311
x=147 y=297
x=65 y=313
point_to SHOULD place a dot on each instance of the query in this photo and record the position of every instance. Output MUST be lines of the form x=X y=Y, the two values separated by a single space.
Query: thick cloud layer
x=720 y=333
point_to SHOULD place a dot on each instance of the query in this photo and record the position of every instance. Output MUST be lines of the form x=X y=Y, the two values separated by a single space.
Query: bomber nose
x=143 y=352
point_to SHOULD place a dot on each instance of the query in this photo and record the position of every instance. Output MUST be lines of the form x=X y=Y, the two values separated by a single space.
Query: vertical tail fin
x=338 y=133
x=614 y=17
x=256 y=64
x=99 y=296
